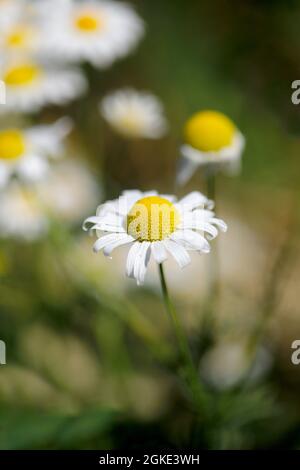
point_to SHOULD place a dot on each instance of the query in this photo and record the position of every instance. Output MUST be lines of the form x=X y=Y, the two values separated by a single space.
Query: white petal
x=131 y=258
x=185 y=170
x=108 y=249
x=219 y=223
x=191 y=240
x=90 y=220
x=159 y=252
x=193 y=201
x=106 y=240
x=178 y=252
x=141 y=262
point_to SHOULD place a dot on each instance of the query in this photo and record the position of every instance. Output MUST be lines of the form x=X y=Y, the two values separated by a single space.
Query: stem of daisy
x=198 y=392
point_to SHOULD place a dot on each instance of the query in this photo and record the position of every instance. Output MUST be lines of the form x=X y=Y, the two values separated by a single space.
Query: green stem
x=192 y=377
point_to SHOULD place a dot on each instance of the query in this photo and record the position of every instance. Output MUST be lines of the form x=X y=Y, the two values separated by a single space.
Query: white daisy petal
x=141 y=262
x=131 y=258
x=178 y=252
x=108 y=249
x=191 y=239
x=106 y=240
x=159 y=252
x=193 y=200
x=219 y=223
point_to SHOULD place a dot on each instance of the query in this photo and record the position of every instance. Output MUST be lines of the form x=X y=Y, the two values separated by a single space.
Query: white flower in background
x=228 y=363
x=154 y=225
x=211 y=138
x=25 y=153
x=21 y=215
x=70 y=191
x=134 y=114
x=31 y=85
x=98 y=32
x=19 y=32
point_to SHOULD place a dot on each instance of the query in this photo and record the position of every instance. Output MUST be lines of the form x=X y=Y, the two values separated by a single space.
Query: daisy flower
x=134 y=114
x=31 y=85
x=19 y=31
x=25 y=153
x=211 y=138
x=21 y=215
x=98 y=32
x=155 y=226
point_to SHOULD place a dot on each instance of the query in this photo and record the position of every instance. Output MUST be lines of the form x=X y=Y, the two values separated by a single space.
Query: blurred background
x=91 y=358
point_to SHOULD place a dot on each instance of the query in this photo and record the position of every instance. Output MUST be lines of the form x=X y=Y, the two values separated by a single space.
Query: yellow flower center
x=152 y=219
x=18 y=37
x=88 y=23
x=130 y=124
x=22 y=75
x=12 y=144
x=209 y=131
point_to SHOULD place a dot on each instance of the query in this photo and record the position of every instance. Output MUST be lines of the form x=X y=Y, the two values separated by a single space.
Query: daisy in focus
x=154 y=226
x=31 y=85
x=21 y=215
x=25 y=153
x=91 y=31
x=134 y=114
x=211 y=139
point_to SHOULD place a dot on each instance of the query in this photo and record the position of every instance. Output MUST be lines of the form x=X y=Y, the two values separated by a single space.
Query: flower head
x=91 y=31
x=31 y=85
x=155 y=226
x=20 y=32
x=25 y=153
x=211 y=138
x=134 y=114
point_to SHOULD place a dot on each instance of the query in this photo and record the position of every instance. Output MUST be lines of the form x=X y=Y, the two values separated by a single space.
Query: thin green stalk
x=192 y=377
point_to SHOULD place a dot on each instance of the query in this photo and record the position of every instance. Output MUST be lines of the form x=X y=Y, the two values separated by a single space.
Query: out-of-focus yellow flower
x=30 y=85
x=211 y=138
x=24 y=152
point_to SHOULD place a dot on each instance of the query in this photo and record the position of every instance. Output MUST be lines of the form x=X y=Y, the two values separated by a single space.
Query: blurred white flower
x=31 y=85
x=211 y=138
x=25 y=153
x=20 y=33
x=98 y=32
x=154 y=225
x=21 y=215
x=134 y=114
x=228 y=363
x=70 y=192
